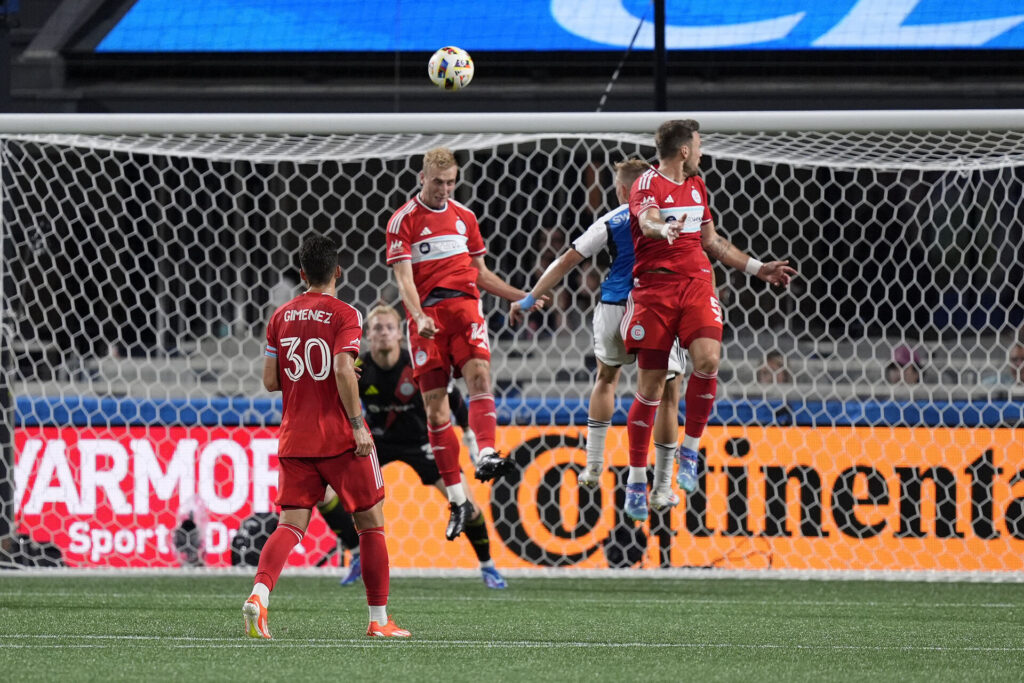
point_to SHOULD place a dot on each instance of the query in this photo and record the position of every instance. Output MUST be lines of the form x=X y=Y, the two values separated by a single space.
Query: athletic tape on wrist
x=753 y=266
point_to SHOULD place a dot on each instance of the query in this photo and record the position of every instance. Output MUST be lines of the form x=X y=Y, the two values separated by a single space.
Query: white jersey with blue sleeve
x=611 y=231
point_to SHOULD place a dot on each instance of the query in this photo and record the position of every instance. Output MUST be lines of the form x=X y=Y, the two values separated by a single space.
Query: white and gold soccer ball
x=450 y=68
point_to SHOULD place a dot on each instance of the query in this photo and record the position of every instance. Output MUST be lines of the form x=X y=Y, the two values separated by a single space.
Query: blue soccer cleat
x=636 y=501
x=355 y=572
x=493 y=579
x=686 y=477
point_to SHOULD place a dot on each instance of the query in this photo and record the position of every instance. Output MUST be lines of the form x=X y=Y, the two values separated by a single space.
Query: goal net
x=868 y=417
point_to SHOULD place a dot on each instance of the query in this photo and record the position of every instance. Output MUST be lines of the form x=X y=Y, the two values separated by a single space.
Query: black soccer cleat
x=460 y=514
x=490 y=465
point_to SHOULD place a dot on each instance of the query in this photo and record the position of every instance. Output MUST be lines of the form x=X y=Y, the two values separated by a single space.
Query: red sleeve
x=271 y=349
x=474 y=241
x=349 y=331
x=398 y=245
x=707 y=204
x=641 y=196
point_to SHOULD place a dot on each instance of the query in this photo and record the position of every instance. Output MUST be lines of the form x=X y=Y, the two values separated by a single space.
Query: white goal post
x=143 y=253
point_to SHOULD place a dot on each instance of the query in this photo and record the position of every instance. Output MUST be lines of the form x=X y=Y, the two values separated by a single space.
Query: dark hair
x=318 y=257
x=774 y=353
x=674 y=134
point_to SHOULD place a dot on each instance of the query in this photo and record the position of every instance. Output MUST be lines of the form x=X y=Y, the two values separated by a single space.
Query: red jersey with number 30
x=439 y=242
x=305 y=335
x=685 y=202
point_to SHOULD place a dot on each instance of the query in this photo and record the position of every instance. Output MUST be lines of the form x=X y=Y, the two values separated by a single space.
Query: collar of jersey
x=441 y=210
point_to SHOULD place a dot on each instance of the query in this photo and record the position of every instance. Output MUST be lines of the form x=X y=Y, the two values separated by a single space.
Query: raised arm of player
x=425 y=325
x=718 y=247
x=656 y=229
x=348 y=390
x=553 y=274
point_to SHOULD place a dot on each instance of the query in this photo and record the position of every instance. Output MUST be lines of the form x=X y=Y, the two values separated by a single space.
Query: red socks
x=700 y=398
x=445 y=446
x=483 y=419
x=639 y=426
x=373 y=551
x=275 y=553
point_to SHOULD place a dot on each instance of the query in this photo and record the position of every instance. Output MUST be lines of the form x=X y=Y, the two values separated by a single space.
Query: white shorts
x=610 y=350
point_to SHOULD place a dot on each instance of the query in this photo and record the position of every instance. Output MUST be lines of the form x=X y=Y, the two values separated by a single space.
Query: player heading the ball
x=437 y=253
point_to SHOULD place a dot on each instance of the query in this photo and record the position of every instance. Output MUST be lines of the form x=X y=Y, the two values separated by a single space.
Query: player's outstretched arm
x=718 y=247
x=653 y=227
x=270 y=379
x=554 y=274
x=425 y=325
x=348 y=390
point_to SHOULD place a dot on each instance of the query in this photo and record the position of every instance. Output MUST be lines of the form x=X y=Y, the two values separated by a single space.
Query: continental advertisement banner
x=840 y=498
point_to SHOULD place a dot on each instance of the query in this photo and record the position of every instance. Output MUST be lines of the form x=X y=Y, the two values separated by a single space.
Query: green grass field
x=190 y=628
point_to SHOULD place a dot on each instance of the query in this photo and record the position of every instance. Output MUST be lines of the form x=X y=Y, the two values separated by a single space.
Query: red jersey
x=686 y=202
x=439 y=242
x=305 y=335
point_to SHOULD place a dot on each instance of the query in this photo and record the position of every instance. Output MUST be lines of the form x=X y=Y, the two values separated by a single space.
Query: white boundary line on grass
x=193 y=642
x=544 y=573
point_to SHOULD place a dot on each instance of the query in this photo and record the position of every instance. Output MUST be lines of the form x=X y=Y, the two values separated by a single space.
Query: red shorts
x=664 y=306
x=461 y=336
x=357 y=481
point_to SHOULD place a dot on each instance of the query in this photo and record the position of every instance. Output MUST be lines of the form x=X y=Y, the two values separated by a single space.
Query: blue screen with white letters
x=563 y=25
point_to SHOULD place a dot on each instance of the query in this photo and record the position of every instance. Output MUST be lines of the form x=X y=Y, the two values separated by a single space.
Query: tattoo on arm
x=357 y=421
x=719 y=247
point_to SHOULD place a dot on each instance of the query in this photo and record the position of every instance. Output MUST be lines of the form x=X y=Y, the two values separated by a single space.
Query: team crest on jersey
x=460 y=227
x=637 y=332
x=406 y=388
x=695 y=195
x=421 y=357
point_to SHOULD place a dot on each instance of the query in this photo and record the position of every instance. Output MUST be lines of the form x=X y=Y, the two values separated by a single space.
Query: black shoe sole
x=493 y=471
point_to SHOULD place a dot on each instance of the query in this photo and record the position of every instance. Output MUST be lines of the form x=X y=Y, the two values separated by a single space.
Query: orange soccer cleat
x=255 y=618
x=388 y=630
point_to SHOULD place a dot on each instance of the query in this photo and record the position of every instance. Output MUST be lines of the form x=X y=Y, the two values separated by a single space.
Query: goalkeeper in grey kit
x=394 y=411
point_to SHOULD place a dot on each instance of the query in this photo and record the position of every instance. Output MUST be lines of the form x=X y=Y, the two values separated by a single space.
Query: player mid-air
x=673 y=298
x=434 y=245
x=611 y=231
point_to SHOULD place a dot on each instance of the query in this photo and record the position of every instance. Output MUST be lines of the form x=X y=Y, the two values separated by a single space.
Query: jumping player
x=674 y=298
x=312 y=344
x=435 y=248
x=611 y=231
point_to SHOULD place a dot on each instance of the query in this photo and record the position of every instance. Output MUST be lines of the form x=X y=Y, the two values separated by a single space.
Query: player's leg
x=483 y=418
x=666 y=434
x=300 y=487
x=376 y=571
x=599 y=419
x=460 y=417
x=480 y=541
x=652 y=368
x=445 y=446
x=340 y=522
x=700 y=398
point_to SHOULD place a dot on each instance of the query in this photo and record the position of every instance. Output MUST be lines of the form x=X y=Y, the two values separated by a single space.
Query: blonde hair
x=382 y=309
x=630 y=169
x=440 y=158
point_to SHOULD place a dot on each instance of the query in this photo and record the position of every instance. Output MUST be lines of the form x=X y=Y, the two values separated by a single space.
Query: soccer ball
x=450 y=68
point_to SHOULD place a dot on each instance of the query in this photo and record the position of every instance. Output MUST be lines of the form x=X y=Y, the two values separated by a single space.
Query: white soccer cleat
x=590 y=477
x=662 y=498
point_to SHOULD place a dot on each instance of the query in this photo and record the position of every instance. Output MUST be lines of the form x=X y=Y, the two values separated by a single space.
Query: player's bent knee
x=608 y=374
x=369 y=519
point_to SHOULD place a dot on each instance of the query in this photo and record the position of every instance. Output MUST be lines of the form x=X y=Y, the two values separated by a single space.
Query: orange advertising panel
x=854 y=498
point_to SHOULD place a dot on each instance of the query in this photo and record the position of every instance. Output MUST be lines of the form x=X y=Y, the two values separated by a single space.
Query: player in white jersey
x=612 y=231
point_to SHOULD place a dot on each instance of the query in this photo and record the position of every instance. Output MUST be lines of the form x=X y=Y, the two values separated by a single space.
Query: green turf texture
x=190 y=629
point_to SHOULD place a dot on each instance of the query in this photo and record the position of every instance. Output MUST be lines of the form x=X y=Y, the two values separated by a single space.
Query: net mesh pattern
x=139 y=272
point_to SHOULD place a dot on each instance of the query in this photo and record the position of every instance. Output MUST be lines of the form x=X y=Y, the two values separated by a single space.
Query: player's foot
x=355 y=572
x=686 y=477
x=490 y=465
x=459 y=515
x=636 y=501
x=590 y=477
x=469 y=441
x=255 y=618
x=662 y=498
x=388 y=630
x=493 y=579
